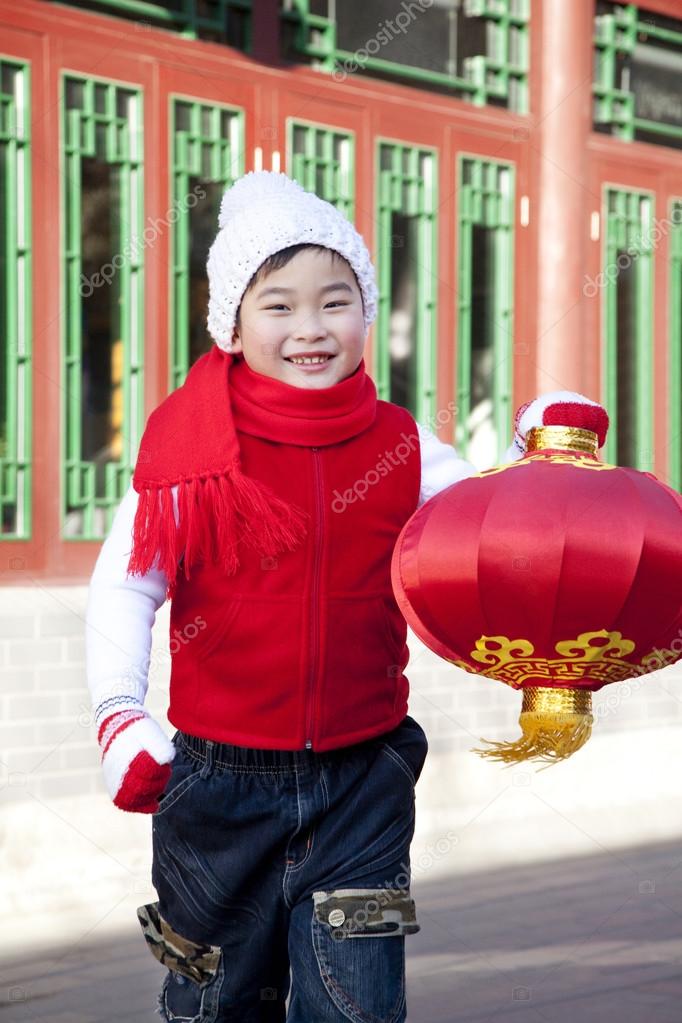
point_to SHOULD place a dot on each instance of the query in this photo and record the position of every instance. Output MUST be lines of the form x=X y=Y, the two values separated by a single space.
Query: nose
x=310 y=328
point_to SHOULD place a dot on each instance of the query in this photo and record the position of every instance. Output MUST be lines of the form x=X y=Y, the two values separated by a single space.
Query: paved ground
x=584 y=939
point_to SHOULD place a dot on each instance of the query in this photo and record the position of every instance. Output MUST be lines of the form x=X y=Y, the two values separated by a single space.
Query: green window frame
x=15 y=300
x=207 y=143
x=322 y=160
x=486 y=190
x=101 y=120
x=618 y=30
x=675 y=350
x=628 y=328
x=407 y=185
x=498 y=75
x=229 y=22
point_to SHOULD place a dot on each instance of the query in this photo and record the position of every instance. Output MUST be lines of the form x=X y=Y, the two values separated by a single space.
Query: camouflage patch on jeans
x=366 y=912
x=196 y=960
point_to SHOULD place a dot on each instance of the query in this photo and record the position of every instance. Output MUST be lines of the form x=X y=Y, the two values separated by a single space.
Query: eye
x=282 y=306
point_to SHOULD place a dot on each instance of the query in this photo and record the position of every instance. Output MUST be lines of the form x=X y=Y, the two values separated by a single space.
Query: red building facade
x=514 y=167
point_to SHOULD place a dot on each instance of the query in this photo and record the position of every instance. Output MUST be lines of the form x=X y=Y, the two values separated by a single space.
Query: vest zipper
x=314 y=607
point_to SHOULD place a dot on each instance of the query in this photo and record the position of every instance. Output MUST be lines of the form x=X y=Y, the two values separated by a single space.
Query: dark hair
x=280 y=259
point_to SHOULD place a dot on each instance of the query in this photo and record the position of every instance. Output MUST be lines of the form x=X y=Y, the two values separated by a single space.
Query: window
x=627 y=318
x=322 y=160
x=485 y=308
x=222 y=21
x=405 y=368
x=474 y=49
x=638 y=64
x=103 y=299
x=15 y=301
x=208 y=155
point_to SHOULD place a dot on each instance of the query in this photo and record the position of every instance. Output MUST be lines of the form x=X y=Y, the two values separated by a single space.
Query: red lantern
x=556 y=574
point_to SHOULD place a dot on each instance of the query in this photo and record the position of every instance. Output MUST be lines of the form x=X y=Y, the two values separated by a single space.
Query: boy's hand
x=136 y=758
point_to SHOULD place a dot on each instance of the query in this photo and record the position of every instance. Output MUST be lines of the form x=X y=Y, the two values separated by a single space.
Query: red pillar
x=563 y=121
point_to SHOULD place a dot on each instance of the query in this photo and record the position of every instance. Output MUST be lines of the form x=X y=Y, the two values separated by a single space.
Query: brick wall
x=71 y=863
x=48 y=743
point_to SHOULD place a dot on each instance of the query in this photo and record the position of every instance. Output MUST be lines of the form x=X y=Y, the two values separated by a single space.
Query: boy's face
x=316 y=310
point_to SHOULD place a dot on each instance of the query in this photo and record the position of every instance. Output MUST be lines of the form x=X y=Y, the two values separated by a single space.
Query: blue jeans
x=271 y=861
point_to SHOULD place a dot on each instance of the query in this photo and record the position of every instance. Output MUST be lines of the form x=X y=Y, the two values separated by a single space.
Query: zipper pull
x=309 y=744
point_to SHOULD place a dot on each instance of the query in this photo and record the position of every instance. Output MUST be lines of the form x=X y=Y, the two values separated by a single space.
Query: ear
x=236 y=345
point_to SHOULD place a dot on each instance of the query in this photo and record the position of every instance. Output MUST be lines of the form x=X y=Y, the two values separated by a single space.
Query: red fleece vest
x=306 y=649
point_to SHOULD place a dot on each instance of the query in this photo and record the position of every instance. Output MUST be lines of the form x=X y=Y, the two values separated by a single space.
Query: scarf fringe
x=216 y=513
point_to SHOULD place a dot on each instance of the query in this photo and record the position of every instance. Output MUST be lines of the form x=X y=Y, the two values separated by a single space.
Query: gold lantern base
x=554 y=722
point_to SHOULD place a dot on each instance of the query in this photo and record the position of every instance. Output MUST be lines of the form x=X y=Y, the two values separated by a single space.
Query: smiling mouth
x=309 y=360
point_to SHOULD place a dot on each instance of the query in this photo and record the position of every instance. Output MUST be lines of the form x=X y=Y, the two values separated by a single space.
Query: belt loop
x=210 y=752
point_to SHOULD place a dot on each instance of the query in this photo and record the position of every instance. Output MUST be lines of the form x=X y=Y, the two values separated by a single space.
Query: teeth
x=310 y=358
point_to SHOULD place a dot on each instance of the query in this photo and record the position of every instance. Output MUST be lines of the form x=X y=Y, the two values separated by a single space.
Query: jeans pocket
x=185 y=772
x=359 y=936
x=407 y=746
x=192 y=986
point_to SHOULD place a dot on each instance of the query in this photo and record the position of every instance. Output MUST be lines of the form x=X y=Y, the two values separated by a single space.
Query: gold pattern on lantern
x=514 y=662
x=577 y=461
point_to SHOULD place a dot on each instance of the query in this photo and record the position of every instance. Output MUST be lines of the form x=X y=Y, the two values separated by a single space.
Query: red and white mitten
x=557 y=408
x=136 y=758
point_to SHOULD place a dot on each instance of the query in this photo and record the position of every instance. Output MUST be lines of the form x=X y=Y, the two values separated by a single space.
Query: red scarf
x=190 y=440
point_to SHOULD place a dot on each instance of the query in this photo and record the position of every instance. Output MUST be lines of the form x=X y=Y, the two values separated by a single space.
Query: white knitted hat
x=263 y=212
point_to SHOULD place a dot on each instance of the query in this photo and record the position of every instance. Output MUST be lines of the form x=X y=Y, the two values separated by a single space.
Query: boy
x=268 y=494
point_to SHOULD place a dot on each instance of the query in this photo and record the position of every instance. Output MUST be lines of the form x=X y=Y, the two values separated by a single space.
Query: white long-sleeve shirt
x=121 y=610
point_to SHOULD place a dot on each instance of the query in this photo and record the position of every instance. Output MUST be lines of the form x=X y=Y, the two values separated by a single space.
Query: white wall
x=70 y=862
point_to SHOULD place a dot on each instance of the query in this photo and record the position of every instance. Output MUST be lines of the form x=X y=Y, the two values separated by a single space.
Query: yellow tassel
x=554 y=722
